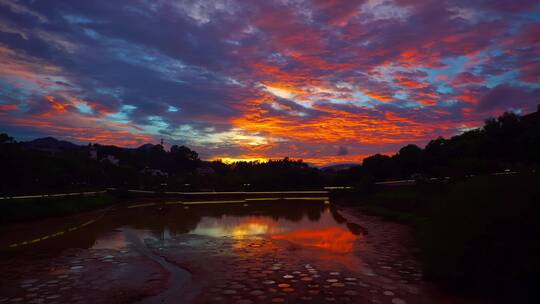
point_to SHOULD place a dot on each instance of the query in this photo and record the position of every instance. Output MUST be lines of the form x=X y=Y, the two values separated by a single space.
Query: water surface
x=268 y=252
x=307 y=223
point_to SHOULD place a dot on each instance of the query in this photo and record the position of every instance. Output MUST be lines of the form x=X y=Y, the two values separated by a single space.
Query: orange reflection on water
x=237 y=228
x=335 y=239
x=250 y=228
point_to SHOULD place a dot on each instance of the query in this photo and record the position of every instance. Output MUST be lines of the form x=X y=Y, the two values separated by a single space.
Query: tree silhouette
x=506 y=142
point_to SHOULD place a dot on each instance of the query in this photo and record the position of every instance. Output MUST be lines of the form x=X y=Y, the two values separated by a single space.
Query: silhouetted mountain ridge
x=50 y=144
x=339 y=167
x=54 y=145
x=146 y=147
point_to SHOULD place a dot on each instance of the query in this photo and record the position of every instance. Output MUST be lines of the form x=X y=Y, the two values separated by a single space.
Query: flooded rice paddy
x=263 y=252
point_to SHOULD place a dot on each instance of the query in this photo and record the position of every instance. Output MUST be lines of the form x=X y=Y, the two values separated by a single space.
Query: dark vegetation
x=48 y=165
x=508 y=142
x=477 y=235
x=30 y=209
x=52 y=166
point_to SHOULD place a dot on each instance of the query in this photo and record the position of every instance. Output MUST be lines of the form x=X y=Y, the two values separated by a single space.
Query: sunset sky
x=323 y=80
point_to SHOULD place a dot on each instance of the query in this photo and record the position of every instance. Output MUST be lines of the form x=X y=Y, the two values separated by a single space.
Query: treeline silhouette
x=508 y=142
x=48 y=165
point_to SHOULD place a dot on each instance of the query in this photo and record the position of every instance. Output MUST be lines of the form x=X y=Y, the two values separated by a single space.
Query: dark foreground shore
x=476 y=236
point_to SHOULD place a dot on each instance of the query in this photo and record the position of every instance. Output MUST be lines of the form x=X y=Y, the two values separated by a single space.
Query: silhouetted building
x=532 y=118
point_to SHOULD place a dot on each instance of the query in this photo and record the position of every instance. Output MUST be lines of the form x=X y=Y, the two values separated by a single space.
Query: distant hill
x=50 y=144
x=339 y=167
x=53 y=145
x=146 y=147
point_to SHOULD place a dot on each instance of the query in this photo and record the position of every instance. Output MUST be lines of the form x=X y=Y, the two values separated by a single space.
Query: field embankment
x=476 y=235
x=13 y=210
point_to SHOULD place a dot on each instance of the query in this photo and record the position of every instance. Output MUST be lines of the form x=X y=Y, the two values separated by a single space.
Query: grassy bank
x=478 y=235
x=31 y=209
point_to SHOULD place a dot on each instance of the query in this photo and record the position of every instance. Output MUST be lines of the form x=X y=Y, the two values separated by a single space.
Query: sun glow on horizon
x=232 y=160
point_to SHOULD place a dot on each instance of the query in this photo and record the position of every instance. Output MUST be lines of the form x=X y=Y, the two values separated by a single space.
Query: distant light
x=172 y=109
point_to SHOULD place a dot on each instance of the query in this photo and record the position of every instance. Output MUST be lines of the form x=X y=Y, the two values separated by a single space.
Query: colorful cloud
x=265 y=79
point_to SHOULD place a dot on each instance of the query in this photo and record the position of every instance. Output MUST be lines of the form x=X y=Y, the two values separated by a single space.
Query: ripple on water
x=288 y=276
x=284 y=285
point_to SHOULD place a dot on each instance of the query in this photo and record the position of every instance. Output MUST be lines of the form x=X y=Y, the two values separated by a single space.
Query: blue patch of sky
x=412 y=104
x=535 y=15
x=113 y=92
x=139 y=55
x=31 y=87
x=400 y=95
x=169 y=68
x=364 y=101
x=532 y=16
x=508 y=77
x=7 y=90
x=442 y=89
x=76 y=19
x=91 y=33
x=122 y=116
x=517 y=111
x=447 y=102
x=453 y=66
x=155 y=125
x=359 y=100
x=172 y=109
x=529 y=85
x=84 y=108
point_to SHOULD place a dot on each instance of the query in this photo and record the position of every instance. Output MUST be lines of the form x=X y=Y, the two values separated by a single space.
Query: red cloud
x=467 y=78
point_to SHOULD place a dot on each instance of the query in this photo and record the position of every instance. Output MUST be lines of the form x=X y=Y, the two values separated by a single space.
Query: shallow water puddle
x=263 y=252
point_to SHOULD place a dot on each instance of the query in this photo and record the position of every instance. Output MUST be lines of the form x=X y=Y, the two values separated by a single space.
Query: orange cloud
x=60 y=120
x=379 y=96
x=56 y=106
x=331 y=126
x=412 y=84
